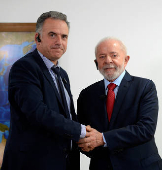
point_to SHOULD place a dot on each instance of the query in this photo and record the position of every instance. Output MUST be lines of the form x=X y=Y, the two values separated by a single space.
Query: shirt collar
x=47 y=62
x=116 y=81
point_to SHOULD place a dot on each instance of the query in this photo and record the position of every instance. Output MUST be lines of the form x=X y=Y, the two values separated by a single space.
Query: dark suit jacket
x=40 y=134
x=130 y=133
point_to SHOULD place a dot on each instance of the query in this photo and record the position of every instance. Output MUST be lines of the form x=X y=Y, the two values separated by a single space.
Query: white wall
x=137 y=23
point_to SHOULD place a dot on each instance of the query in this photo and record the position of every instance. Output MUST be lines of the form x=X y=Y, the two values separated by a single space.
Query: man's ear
x=126 y=60
x=96 y=64
x=37 y=38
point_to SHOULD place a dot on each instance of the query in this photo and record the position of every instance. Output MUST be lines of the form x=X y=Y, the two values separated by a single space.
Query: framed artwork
x=17 y=39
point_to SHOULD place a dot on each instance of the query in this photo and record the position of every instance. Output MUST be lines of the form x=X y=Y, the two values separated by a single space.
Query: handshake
x=92 y=140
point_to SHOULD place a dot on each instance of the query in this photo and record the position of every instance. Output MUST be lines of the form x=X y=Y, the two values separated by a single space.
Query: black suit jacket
x=40 y=134
x=130 y=133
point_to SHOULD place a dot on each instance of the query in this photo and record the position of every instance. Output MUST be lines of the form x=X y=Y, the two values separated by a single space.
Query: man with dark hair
x=44 y=128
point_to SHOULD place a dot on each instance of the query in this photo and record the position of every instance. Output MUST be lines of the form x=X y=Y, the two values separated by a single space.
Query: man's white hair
x=123 y=47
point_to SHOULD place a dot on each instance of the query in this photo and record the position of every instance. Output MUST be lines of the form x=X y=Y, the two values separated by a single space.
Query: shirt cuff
x=83 y=131
x=105 y=145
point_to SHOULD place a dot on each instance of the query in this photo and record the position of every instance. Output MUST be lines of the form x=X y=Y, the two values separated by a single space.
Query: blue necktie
x=56 y=70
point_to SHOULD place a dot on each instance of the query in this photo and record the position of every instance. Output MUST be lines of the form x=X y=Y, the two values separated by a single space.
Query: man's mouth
x=109 y=68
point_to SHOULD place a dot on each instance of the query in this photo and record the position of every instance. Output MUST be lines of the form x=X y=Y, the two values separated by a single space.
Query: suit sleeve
x=82 y=117
x=144 y=129
x=26 y=95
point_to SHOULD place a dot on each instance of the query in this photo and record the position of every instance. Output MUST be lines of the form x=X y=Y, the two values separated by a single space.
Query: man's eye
x=64 y=36
x=114 y=55
x=52 y=35
x=102 y=56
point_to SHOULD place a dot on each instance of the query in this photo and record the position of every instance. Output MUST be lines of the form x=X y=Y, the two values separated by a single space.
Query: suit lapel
x=100 y=92
x=65 y=81
x=47 y=74
x=66 y=84
x=123 y=89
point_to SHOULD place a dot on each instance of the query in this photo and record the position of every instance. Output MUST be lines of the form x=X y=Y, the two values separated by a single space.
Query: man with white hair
x=122 y=113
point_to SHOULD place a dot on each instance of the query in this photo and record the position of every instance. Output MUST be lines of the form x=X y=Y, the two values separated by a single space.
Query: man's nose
x=108 y=59
x=58 y=40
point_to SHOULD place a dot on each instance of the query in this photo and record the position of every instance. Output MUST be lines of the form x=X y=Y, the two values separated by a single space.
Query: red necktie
x=110 y=99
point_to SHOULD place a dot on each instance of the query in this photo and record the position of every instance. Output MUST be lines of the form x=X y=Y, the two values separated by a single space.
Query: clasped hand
x=92 y=139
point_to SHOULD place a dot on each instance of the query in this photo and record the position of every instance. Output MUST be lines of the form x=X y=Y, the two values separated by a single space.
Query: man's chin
x=110 y=77
x=57 y=57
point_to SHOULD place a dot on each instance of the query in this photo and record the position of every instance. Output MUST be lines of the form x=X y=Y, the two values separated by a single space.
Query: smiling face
x=54 y=36
x=111 y=58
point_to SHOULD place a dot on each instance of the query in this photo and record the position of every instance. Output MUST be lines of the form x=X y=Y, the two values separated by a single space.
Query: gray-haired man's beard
x=113 y=76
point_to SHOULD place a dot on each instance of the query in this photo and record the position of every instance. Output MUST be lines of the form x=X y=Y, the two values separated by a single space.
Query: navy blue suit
x=130 y=133
x=40 y=133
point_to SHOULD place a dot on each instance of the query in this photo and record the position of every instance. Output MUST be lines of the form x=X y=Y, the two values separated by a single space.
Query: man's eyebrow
x=113 y=52
x=51 y=32
x=65 y=35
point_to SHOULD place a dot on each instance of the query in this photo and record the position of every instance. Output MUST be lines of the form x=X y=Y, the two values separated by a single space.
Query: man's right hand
x=92 y=139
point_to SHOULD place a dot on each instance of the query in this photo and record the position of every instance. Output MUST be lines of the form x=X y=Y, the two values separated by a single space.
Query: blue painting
x=13 y=46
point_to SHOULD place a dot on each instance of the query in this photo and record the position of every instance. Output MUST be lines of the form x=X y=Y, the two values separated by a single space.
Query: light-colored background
x=137 y=23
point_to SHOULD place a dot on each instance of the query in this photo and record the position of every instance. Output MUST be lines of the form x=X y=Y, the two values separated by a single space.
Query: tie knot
x=111 y=86
x=56 y=70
